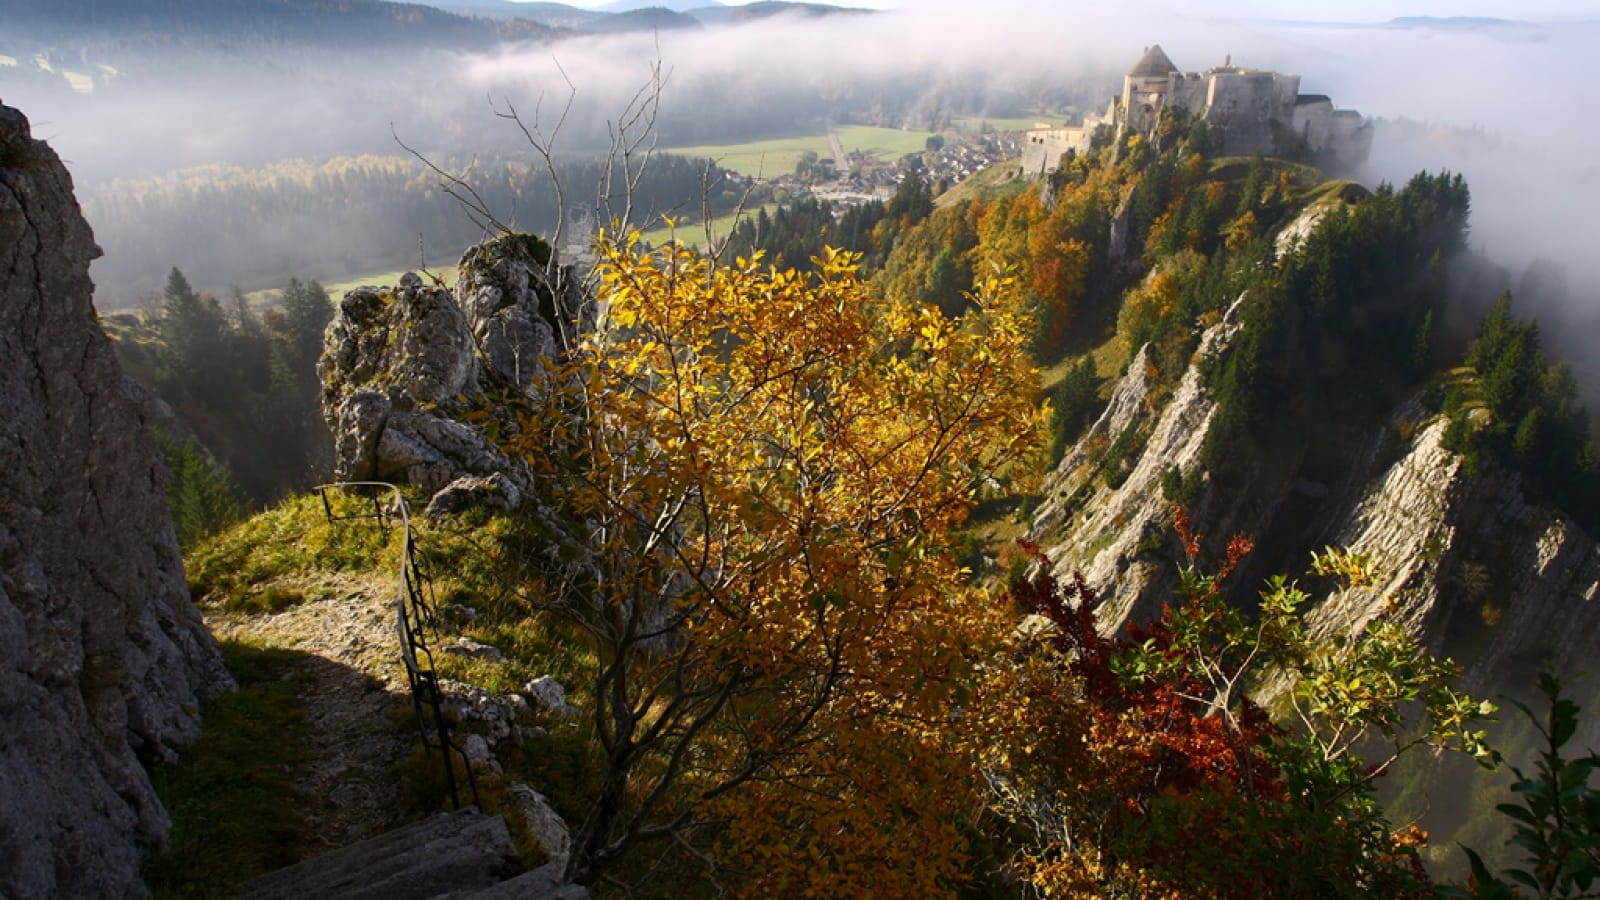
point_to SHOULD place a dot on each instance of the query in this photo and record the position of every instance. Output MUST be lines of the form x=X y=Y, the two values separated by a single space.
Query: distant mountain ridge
x=449 y=23
x=309 y=21
x=678 y=6
x=556 y=15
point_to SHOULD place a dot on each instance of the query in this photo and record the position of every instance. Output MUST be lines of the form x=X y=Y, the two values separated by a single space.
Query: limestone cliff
x=1088 y=525
x=1502 y=585
x=1467 y=561
x=103 y=658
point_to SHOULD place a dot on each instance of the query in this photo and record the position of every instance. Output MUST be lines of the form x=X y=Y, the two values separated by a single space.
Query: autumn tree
x=761 y=476
x=1120 y=757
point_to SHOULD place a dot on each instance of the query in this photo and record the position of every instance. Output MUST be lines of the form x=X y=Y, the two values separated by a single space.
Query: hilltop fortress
x=1250 y=111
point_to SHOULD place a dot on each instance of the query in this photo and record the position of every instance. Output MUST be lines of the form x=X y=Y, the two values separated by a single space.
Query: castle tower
x=1147 y=88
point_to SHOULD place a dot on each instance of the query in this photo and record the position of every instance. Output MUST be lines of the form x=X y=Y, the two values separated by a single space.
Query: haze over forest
x=1500 y=102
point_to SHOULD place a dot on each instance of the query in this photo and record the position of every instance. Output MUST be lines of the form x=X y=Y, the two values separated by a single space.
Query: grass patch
x=987 y=185
x=480 y=561
x=693 y=233
x=272 y=298
x=336 y=289
x=777 y=156
x=892 y=143
x=241 y=569
x=234 y=812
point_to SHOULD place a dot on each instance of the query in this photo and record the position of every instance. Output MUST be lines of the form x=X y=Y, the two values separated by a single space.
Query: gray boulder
x=514 y=297
x=400 y=366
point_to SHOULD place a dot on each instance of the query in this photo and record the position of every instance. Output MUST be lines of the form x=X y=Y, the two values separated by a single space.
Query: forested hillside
x=225 y=225
x=264 y=22
x=1238 y=339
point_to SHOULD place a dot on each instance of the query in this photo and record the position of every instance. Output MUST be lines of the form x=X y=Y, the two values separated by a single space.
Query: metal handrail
x=414 y=613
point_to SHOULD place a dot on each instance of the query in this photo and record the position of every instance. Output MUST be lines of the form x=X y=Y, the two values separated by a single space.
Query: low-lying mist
x=1506 y=105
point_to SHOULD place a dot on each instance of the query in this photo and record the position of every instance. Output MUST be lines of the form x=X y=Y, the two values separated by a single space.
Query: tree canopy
x=766 y=481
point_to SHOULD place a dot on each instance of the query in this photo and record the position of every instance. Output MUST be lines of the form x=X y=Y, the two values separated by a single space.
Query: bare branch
x=458 y=187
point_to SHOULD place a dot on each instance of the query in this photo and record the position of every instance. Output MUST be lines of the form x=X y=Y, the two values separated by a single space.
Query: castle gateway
x=1250 y=112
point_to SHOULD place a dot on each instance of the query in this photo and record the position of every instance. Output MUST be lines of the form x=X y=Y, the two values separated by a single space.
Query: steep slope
x=1086 y=525
x=1335 y=450
x=103 y=659
x=1464 y=559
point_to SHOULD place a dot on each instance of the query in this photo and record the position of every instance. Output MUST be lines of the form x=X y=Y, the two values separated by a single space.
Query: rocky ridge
x=103 y=658
x=1086 y=525
x=1466 y=559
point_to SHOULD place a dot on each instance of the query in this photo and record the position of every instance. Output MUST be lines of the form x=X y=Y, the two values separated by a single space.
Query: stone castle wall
x=1251 y=111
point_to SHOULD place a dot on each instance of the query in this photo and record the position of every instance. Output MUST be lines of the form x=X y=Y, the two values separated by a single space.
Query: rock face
x=103 y=658
x=1465 y=561
x=1086 y=525
x=398 y=365
x=1503 y=586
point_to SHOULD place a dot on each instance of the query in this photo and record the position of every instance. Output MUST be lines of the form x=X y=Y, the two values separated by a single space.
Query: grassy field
x=777 y=156
x=882 y=142
x=268 y=298
x=336 y=289
x=765 y=159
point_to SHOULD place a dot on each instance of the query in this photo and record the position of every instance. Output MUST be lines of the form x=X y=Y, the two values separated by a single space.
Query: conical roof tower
x=1154 y=64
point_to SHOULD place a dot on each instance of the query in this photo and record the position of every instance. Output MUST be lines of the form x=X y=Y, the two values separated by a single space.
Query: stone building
x=1250 y=111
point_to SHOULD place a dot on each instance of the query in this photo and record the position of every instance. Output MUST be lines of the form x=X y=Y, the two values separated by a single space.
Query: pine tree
x=192 y=336
x=307 y=312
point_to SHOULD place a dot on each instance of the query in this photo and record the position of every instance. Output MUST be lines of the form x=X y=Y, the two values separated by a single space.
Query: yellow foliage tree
x=765 y=474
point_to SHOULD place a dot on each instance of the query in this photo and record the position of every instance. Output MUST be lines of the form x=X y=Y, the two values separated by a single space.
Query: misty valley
x=511 y=449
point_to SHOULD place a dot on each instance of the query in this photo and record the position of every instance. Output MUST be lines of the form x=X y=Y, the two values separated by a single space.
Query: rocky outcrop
x=1087 y=525
x=521 y=317
x=1464 y=560
x=400 y=364
x=103 y=658
x=1503 y=586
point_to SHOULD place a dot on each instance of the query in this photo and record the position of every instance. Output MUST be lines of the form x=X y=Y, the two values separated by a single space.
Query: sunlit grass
x=760 y=159
x=694 y=233
x=885 y=143
x=987 y=185
x=251 y=566
x=445 y=273
x=272 y=298
x=777 y=156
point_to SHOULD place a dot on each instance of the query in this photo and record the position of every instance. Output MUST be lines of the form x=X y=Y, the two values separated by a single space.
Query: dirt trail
x=356 y=688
